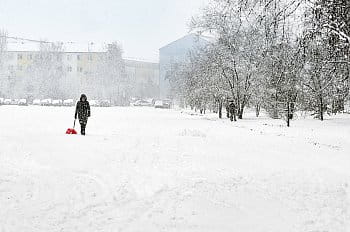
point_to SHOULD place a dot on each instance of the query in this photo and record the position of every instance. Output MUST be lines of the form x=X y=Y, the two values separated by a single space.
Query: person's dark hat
x=83 y=96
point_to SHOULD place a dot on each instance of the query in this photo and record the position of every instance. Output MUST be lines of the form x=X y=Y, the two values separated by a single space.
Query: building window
x=69 y=69
x=78 y=57
x=90 y=57
x=68 y=57
x=19 y=56
x=80 y=69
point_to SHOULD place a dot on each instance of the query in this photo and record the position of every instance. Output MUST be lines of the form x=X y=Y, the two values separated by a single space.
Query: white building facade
x=78 y=66
x=175 y=53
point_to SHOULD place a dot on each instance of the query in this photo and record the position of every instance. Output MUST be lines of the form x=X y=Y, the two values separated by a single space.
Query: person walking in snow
x=232 y=110
x=82 y=111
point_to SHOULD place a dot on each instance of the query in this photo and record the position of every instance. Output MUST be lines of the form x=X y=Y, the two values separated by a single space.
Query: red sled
x=71 y=131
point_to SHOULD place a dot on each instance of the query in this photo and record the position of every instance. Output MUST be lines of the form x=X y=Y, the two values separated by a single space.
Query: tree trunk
x=240 y=111
x=288 y=114
x=220 y=109
x=240 y=114
x=321 y=108
x=257 y=110
x=275 y=111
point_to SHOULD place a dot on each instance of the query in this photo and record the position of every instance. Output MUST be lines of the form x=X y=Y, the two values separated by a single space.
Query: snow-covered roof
x=139 y=60
x=85 y=47
x=189 y=39
x=23 y=46
x=130 y=62
x=16 y=45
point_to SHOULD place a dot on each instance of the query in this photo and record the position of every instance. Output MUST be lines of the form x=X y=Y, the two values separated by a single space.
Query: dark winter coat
x=82 y=110
x=232 y=107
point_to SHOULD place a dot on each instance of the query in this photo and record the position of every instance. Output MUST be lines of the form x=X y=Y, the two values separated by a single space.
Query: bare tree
x=111 y=82
x=45 y=73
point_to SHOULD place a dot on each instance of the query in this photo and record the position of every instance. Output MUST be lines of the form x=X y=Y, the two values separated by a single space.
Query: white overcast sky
x=141 y=26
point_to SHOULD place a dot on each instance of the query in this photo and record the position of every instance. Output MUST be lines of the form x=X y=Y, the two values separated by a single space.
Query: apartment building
x=80 y=65
x=144 y=76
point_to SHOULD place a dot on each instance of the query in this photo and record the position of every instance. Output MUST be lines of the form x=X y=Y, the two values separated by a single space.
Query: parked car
x=15 y=102
x=142 y=103
x=8 y=101
x=57 y=102
x=133 y=100
x=151 y=101
x=158 y=104
x=37 y=102
x=105 y=103
x=167 y=103
x=22 y=102
x=162 y=104
x=46 y=102
x=68 y=102
x=94 y=103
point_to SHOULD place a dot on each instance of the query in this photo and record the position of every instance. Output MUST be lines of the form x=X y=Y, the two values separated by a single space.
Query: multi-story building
x=145 y=78
x=173 y=54
x=80 y=68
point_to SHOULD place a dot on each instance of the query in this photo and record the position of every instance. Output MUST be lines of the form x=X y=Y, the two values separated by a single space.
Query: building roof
x=21 y=45
x=129 y=62
x=190 y=39
x=85 y=47
x=138 y=60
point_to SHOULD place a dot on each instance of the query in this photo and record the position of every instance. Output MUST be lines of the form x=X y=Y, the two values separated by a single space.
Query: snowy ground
x=142 y=169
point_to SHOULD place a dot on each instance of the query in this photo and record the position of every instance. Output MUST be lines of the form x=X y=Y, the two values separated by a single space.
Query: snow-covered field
x=142 y=169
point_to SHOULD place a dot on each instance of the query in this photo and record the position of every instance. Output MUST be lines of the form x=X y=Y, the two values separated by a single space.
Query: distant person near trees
x=232 y=110
x=82 y=111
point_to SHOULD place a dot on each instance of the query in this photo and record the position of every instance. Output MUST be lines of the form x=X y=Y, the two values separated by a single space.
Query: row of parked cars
x=55 y=102
x=100 y=103
x=4 y=101
x=38 y=102
x=160 y=104
x=51 y=102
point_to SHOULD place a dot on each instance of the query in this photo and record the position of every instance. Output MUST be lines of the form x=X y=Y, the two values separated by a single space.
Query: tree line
x=269 y=54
